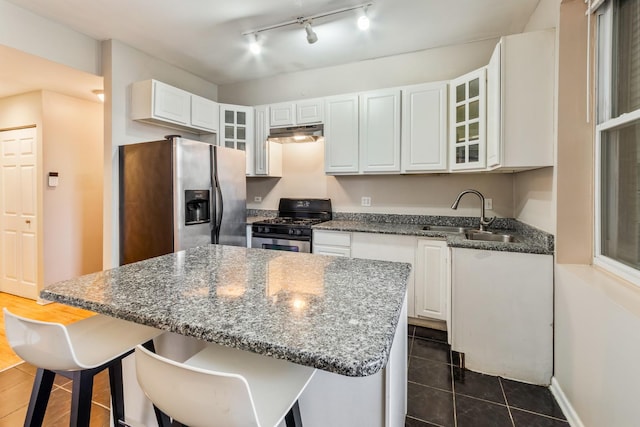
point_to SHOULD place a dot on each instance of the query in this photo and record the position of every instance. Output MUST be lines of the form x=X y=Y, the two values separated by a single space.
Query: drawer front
x=331 y=250
x=332 y=238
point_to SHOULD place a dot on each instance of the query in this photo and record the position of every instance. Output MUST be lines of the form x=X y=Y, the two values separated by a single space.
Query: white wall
x=72 y=146
x=122 y=66
x=69 y=142
x=31 y=33
x=597 y=315
x=534 y=198
x=303 y=168
x=416 y=67
x=304 y=176
x=597 y=343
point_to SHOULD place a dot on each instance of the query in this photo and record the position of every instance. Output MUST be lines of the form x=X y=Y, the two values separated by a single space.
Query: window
x=618 y=138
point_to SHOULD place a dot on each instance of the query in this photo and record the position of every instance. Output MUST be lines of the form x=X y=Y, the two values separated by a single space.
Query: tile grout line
x=506 y=401
x=429 y=386
x=540 y=414
x=424 y=421
x=468 y=396
x=432 y=340
x=432 y=360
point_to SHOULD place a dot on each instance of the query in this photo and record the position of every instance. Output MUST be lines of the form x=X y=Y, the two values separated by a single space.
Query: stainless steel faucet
x=484 y=223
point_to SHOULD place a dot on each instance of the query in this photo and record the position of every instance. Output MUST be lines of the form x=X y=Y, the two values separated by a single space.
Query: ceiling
x=205 y=36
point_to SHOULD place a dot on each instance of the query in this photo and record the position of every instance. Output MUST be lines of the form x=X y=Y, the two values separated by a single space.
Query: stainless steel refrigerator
x=177 y=194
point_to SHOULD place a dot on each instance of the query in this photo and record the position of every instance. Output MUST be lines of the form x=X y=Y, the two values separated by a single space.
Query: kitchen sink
x=491 y=237
x=445 y=228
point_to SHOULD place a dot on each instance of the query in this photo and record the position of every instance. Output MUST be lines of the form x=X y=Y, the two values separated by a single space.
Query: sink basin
x=491 y=237
x=445 y=228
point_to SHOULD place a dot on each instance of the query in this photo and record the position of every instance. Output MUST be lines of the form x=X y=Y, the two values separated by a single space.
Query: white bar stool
x=77 y=351
x=223 y=386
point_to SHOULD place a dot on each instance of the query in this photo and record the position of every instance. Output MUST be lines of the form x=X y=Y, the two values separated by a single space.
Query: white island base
x=379 y=400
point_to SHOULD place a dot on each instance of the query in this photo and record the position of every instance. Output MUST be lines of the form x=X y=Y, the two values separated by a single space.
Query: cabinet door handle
x=28 y=221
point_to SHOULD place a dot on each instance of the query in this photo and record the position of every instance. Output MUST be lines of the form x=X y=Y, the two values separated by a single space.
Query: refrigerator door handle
x=219 y=210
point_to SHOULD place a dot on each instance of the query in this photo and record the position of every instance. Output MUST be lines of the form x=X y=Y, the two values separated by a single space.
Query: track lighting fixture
x=363 y=21
x=312 y=37
x=254 y=46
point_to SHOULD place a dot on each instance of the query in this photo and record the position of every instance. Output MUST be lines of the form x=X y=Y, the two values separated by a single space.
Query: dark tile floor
x=442 y=394
x=15 y=389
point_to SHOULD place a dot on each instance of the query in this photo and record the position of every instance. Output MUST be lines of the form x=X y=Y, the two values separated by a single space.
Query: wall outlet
x=257 y=199
x=488 y=203
x=366 y=201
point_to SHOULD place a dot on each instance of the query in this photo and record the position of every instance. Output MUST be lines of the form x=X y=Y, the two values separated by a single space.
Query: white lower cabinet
x=336 y=243
x=432 y=279
x=429 y=284
x=502 y=313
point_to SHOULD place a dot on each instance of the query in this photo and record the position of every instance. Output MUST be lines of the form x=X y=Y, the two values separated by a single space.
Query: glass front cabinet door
x=467 y=96
x=236 y=130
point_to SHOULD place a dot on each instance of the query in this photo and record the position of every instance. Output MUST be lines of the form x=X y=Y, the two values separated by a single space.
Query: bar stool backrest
x=193 y=396
x=43 y=344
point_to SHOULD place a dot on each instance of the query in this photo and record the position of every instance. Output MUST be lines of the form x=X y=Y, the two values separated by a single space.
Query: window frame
x=604 y=123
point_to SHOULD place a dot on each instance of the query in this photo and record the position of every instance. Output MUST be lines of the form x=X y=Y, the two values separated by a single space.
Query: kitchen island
x=346 y=317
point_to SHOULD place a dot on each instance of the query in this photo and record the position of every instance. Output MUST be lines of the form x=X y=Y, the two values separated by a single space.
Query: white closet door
x=18 y=198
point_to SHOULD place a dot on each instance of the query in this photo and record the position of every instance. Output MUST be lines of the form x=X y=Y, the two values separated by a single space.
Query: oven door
x=281 y=244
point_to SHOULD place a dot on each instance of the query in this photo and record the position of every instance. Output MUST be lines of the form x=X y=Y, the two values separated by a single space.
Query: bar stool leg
x=39 y=397
x=117 y=392
x=293 y=418
x=81 y=398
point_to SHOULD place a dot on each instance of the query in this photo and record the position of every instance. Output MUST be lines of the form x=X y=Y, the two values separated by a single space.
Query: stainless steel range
x=291 y=229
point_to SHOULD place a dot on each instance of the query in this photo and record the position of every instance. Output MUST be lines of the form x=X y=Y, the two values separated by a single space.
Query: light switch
x=53 y=179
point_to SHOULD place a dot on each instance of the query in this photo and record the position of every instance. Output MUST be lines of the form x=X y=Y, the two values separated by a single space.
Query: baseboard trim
x=565 y=405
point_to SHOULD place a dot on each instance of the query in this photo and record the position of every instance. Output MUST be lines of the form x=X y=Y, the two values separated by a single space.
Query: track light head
x=312 y=37
x=254 y=45
x=363 y=21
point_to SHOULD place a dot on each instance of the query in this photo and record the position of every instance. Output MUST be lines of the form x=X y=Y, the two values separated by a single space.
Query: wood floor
x=53 y=312
x=16 y=377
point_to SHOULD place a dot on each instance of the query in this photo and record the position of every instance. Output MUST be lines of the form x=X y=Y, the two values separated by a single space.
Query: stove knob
x=266 y=230
x=298 y=233
x=292 y=231
x=260 y=229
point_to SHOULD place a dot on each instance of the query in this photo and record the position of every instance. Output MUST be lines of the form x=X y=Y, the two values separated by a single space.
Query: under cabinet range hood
x=310 y=133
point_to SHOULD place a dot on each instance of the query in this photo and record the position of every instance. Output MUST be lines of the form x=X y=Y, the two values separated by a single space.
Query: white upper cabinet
x=520 y=88
x=341 y=134
x=268 y=155
x=424 y=128
x=237 y=131
x=296 y=113
x=171 y=103
x=310 y=111
x=164 y=105
x=380 y=131
x=205 y=113
x=467 y=124
x=282 y=115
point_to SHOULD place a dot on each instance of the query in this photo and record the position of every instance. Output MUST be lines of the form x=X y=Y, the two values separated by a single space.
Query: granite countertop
x=308 y=309
x=531 y=240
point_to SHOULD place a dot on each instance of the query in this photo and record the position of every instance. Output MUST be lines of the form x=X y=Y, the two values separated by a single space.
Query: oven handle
x=281 y=237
